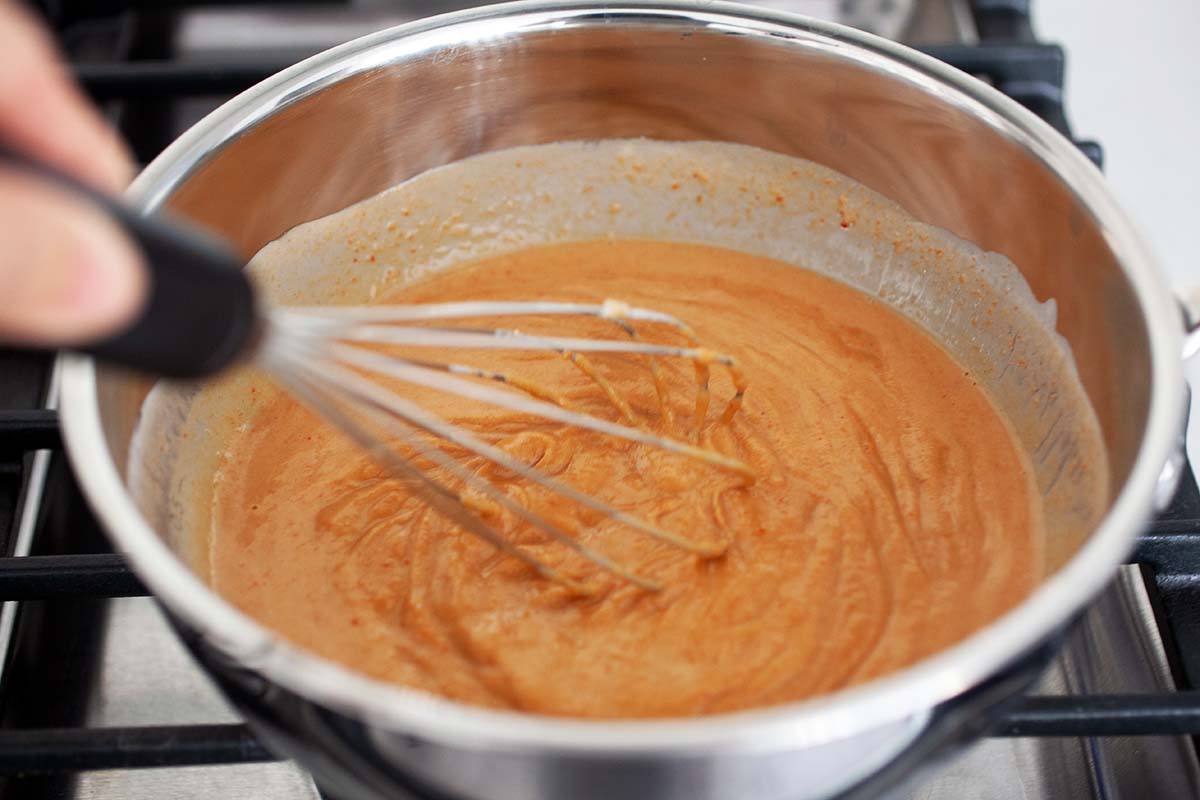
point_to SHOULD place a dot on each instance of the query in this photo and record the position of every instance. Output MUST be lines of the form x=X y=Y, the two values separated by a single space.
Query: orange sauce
x=893 y=512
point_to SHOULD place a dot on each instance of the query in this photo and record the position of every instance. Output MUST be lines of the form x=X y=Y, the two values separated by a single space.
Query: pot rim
x=903 y=696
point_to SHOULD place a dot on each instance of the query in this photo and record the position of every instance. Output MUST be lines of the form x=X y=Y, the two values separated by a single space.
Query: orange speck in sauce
x=846 y=215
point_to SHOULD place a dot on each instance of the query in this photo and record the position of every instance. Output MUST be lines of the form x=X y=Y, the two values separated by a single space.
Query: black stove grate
x=69 y=567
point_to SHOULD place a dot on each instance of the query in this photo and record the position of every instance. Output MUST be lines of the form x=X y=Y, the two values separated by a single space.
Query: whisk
x=203 y=315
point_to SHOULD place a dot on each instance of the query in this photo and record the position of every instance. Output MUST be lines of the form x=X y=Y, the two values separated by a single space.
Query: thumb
x=68 y=275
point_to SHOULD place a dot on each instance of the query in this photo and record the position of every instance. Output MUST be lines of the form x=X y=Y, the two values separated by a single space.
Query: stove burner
x=94 y=686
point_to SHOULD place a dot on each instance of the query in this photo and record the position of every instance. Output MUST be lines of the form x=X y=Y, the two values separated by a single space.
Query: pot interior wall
x=813 y=98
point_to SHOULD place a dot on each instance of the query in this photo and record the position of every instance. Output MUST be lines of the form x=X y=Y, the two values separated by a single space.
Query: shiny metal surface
x=146 y=677
x=1115 y=648
x=1191 y=306
x=349 y=123
x=1177 y=460
x=27 y=522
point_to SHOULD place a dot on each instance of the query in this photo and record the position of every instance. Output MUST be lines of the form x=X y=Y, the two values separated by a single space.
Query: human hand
x=67 y=274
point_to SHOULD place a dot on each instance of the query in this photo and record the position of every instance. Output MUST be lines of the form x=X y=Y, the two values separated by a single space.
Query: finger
x=42 y=111
x=67 y=274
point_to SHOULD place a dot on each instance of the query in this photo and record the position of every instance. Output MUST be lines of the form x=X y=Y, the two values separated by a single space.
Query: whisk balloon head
x=360 y=367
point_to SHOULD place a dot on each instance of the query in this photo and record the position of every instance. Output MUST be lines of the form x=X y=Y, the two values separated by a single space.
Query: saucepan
x=346 y=124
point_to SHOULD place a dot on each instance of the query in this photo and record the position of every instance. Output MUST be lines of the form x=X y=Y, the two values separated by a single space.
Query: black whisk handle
x=200 y=313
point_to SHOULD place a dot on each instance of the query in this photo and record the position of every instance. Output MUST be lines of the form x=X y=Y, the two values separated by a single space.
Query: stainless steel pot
x=346 y=124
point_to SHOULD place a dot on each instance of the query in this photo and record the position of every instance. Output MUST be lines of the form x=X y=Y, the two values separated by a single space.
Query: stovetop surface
x=95 y=681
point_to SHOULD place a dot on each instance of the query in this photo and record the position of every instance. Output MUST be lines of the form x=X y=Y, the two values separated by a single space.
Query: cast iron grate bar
x=50 y=750
x=1167 y=714
x=35 y=429
x=1005 y=62
x=44 y=577
x=1171 y=550
x=1006 y=20
x=172 y=79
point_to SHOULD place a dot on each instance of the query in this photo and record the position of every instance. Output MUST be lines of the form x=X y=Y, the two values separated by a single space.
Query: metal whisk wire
x=324 y=356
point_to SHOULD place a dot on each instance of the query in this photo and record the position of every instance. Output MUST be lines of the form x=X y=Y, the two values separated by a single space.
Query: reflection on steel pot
x=347 y=124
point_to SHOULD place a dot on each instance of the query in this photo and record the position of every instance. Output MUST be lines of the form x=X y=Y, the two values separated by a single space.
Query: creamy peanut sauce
x=894 y=512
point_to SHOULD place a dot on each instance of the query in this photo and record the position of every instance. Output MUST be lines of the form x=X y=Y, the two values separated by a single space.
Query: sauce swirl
x=893 y=514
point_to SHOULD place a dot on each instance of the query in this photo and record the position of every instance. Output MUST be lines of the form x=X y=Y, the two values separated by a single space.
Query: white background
x=1133 y=84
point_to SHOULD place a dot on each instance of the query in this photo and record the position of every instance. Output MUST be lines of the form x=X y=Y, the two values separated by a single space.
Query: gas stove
x=99 y=700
